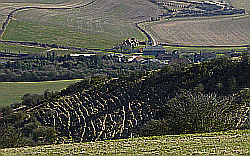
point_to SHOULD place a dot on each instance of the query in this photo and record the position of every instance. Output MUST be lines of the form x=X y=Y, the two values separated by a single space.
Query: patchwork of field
x=100 y=25
x=219 y=143
x=11 y=92
x=221 y=31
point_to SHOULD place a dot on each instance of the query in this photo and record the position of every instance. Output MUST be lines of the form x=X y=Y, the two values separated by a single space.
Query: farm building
x=135 y=58
x=167 y=56
x=175 y=60
x=149 y=61
x=154 y=50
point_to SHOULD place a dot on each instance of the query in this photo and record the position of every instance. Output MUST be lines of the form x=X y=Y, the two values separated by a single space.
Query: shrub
x=193 y=112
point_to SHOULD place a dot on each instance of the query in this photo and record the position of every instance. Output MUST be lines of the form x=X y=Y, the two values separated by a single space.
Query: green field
x=11 y=92
x=102 y=24
x=25 y=31
x=23 y=49
x=219 y=143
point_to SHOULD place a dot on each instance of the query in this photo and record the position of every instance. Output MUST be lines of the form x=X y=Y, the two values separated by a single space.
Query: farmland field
x=22 y=49
x=24 y=31
x=204 y=31
x=99 y=25
x=219 y=143
x=225 y=31
x=13 y=91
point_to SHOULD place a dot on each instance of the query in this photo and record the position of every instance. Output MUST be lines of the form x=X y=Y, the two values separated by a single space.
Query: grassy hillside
x=100 y=25
x=219 y=143
x=24 y=31
x=13 y=91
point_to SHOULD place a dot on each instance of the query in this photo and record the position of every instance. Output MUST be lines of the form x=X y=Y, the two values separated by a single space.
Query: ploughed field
x=101 y=24
x=221 y=31
x=215 y=31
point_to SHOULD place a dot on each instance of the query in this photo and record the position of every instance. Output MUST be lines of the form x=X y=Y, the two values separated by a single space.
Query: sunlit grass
x=24 y=31
x=11 y=92
x=219 y=143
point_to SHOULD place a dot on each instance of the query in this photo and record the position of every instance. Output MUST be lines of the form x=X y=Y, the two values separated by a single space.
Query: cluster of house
x=162 y=56
x=184 y=8
x=131 y=42
x=158 y=54
x=128 y=45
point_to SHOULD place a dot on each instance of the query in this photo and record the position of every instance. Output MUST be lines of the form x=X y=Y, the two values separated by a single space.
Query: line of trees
x=53 y=67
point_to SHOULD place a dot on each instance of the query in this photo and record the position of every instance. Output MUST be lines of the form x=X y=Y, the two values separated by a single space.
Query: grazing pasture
x=11 y=92
x=221 y=31
x=219 y=143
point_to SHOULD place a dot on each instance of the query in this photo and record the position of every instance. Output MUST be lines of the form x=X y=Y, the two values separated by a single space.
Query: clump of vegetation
x=20 y=129
x=50 y=66
x=192 y=112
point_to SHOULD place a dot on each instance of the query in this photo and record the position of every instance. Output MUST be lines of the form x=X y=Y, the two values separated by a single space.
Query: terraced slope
x=108 y=112
x=111 y=20
x=120 y=107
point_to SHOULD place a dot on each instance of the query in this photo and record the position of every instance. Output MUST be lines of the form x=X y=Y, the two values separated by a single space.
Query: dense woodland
x=206 y=97
x=52 y=67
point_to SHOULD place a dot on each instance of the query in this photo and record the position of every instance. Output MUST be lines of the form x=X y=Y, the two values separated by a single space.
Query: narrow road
x=151 y=39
